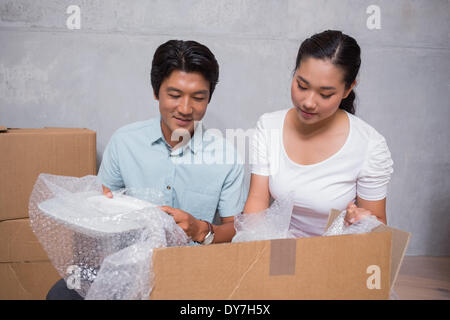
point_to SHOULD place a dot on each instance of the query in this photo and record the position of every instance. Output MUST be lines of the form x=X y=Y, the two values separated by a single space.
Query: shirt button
x=168 y=187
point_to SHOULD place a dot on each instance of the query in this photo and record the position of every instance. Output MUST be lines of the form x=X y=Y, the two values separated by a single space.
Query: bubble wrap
x=364 y=225
x=101 y=247
x=272 y=223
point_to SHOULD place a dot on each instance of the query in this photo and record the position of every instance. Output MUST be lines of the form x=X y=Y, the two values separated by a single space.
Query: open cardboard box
x=359 y=266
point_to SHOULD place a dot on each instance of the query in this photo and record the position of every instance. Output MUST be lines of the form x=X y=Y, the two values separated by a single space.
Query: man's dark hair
x=188 y=56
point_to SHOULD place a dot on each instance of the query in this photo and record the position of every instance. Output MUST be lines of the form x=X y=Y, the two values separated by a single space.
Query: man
x=158 y=153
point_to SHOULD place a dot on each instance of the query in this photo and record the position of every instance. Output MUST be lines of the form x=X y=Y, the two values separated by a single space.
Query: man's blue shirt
x=201 y=177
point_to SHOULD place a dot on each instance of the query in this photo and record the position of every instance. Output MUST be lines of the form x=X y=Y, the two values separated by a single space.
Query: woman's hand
x=355 y=214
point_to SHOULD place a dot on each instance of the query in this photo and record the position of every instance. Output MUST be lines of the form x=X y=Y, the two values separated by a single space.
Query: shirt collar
x=195 y=144
x=155 y=132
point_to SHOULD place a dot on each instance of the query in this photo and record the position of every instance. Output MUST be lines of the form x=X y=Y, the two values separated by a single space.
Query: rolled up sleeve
x=109 y=172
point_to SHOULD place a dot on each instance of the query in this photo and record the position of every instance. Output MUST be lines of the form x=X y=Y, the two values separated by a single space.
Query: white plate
x=118 y=204
x=100 y=215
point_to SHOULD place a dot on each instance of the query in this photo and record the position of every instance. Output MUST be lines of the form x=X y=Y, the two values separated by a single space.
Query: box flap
x=334 y=213
x=400 y=241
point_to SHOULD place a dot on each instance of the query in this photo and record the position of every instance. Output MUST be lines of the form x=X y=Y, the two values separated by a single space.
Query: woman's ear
x=347 y=92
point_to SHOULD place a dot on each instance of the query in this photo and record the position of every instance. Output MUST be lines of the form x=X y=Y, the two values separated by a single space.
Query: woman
x=324 y=154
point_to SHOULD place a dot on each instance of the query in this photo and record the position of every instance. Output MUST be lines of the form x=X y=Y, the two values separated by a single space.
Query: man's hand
x=107 y=192
x=194 y=228
x=355 y=214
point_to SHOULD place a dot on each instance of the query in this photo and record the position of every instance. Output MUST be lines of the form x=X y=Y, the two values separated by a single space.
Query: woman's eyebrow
x=322 y=88
x=302 y=79
x=328 y=88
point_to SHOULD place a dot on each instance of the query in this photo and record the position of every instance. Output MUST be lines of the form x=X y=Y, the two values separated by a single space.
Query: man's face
x=183 y=98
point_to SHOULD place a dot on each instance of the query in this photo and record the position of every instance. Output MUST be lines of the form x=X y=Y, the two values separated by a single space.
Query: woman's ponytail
x=347 y=104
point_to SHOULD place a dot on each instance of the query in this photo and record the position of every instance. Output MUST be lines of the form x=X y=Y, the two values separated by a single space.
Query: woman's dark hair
x=188 y=56
x=342 y=50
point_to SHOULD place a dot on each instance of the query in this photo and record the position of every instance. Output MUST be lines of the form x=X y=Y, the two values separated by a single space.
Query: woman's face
x=317 y=90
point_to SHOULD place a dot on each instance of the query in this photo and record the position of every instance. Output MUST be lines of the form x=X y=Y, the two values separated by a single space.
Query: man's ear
x=347 y=92
x=154 y=95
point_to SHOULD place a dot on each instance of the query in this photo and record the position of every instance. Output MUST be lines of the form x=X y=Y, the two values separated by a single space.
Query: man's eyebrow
x=180 y=91
x=174 y=89
x=201 y=92
x=322 y=88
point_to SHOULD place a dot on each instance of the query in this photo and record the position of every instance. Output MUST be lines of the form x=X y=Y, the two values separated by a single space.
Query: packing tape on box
x=282 y=257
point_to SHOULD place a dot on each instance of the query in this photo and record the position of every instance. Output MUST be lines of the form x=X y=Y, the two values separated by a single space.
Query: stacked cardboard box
x=25 y=270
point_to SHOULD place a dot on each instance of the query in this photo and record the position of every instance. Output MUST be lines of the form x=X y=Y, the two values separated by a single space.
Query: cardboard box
x=25 y=270
x=26 y=280
x=18 y=243
x=360 y=266
x=25 y=153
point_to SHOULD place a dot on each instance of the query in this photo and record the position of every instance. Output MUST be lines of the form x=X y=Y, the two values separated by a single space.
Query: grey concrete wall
x=98 y=77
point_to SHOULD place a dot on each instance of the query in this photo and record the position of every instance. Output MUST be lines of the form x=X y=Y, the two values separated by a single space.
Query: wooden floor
x=423 y=278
